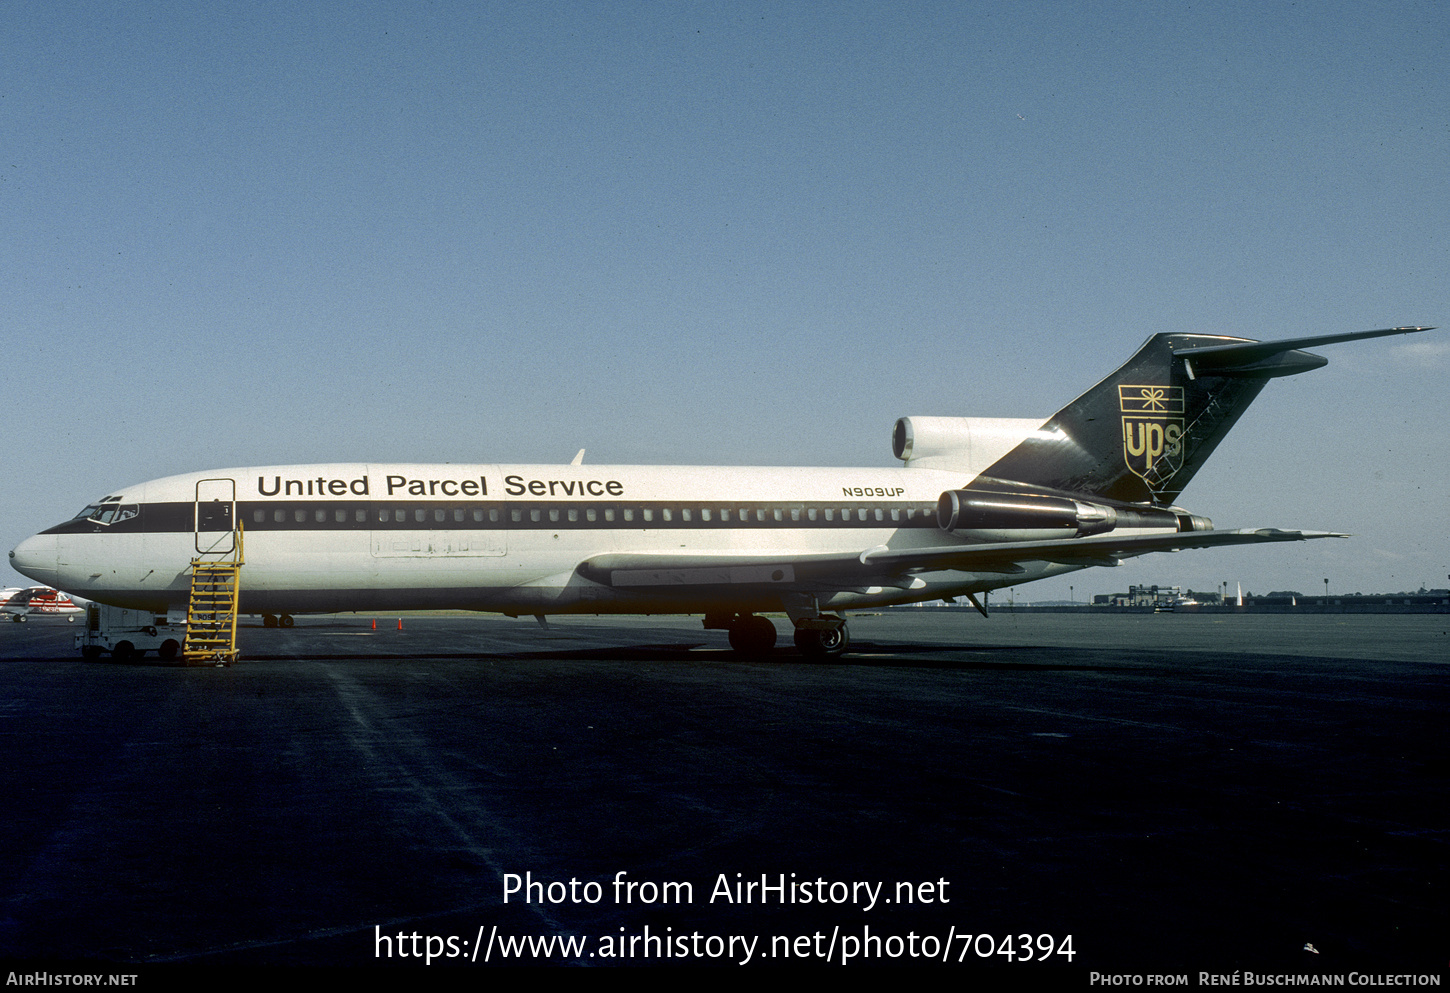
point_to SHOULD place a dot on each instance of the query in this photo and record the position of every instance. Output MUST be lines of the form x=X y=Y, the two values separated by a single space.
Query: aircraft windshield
x=108 y=512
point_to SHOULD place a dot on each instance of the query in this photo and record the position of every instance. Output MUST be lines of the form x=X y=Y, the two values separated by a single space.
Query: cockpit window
x=108 y=511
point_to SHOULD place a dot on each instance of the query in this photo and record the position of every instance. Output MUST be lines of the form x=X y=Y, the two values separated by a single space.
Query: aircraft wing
x=884 y=566
x=18 y=601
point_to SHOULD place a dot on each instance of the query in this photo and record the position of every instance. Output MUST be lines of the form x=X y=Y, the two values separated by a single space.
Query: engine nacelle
x=963 y=443
x=996 y=516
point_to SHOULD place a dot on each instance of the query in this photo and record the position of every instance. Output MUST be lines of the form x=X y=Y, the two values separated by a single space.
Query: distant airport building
x=1279 y=601
x=1157 y=597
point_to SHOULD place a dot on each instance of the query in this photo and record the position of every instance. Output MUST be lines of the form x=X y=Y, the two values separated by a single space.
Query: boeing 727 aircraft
x=979 y=504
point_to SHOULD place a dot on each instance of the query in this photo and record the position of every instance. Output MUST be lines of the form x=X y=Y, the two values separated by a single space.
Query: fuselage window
x=279 y=515
x=493 y=514
x=458 y=515
x=439 y=515
x=300 y=516
x=258 y=516
x=420 y=515
x=383 y=516
x=591 y=514
x=340 y=515
x=685 y=515
x=517 y=515
x=664 y=513
x=810 y=514
x=830 y=513
x=360 y=515
x=608 y=514
x=574 y=513
x=629 y=513
x=705 y=515
x=535 y=515
x=553 y=513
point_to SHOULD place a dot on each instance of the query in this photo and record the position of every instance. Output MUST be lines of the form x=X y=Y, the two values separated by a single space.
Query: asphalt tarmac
x=1040 y=795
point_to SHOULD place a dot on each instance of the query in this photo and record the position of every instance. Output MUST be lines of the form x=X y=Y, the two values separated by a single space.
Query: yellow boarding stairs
x=211 y=617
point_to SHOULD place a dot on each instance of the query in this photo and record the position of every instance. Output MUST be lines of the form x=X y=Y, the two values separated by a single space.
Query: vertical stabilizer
x=1141 y=434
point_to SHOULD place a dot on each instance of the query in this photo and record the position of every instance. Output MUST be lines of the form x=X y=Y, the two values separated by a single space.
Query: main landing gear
x=751 y=634
x=272 y=621
x=819 y=637
x=823 y=642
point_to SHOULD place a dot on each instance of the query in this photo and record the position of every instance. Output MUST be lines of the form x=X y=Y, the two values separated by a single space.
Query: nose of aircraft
x=36 y=557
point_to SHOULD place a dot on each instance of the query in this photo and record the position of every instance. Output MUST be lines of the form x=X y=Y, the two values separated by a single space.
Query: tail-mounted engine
x=989 y=515
x=966 y=444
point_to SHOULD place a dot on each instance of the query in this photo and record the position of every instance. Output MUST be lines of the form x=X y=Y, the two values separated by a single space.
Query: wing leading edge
x=884 y=566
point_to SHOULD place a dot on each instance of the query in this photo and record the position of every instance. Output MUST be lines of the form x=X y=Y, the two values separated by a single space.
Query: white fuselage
x=505 y=538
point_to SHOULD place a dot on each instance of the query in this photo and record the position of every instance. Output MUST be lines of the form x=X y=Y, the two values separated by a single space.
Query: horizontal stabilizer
x=1270 y=358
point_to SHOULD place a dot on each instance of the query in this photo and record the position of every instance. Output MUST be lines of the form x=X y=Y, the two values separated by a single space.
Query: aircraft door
x=216 y=511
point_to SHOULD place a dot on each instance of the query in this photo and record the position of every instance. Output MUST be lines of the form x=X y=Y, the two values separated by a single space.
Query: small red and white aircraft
x=18 y=603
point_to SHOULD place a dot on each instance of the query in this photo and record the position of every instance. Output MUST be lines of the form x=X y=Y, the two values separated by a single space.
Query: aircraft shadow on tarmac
x=863 y=654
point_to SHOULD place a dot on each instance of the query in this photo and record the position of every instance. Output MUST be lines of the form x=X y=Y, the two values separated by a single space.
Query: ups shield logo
x=1152 y=431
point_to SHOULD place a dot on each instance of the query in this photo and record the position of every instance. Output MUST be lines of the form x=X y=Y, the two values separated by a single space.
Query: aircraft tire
x=169 y=649
x=752 y=635
x=269 y=620
x=817 y=644
x=285 y=620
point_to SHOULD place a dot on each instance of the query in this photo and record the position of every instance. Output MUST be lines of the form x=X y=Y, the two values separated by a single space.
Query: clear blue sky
x=724 y=233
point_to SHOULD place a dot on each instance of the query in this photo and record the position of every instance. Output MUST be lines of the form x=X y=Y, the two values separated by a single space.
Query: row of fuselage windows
x=486 y=517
